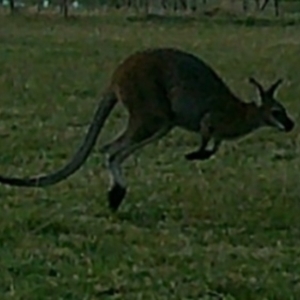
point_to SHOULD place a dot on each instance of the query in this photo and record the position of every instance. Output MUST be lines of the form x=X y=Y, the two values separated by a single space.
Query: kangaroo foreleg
x=206 y=131
x=202 y=153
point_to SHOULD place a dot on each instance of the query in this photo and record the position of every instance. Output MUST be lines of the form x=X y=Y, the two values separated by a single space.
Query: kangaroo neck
x=236 y=119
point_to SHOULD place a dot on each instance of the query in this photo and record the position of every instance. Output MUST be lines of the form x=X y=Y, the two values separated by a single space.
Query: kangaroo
x=163 y=88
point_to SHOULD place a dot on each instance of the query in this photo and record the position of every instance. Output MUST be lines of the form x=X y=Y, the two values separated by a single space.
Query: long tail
x=105 y=107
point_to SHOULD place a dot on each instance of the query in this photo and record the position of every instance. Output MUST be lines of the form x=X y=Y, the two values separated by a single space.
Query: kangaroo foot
x=115 y=196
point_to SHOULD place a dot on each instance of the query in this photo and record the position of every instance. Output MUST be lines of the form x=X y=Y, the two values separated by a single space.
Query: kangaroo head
x=273 y=113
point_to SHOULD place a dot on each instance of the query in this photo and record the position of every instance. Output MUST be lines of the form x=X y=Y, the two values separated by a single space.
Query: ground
x=226 y=228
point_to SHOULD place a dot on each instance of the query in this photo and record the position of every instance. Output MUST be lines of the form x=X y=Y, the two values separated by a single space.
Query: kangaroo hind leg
x=137 y=135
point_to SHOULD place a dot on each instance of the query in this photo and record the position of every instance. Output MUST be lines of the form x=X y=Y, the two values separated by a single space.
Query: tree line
x=173 y=5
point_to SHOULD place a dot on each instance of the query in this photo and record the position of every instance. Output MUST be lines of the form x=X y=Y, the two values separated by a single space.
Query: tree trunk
x=264 y=5
x=164 y=4
x=245 y=5
x=257 y=5
x=194 y=5
x=183 y=4
x=146 y=7
x=276 y=5
x=39 y=6
x=12 y=6
x=65 y=8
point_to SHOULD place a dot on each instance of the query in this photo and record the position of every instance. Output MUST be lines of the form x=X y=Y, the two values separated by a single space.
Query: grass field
x=226 y=228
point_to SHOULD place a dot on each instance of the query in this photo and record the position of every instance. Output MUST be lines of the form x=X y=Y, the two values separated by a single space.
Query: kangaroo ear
x=274 y=86
x=257 y=85
x=260 y=88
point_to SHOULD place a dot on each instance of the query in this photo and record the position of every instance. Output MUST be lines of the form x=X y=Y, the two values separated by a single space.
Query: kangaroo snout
x=279 y=119
x=284 y=124
x=289 y=125
x=283 y=121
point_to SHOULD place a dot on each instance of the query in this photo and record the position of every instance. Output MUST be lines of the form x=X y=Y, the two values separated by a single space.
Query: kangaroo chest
x=230 y=126
x=189 y=106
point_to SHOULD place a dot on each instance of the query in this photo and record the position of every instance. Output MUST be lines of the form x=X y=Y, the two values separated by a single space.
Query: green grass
x=226 y=228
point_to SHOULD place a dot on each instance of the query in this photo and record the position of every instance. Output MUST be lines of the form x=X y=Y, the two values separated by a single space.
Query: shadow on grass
x=143 y=218
x=237 y=290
